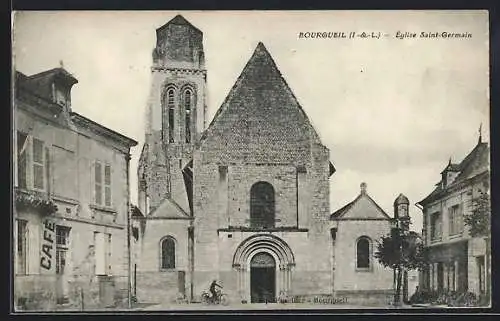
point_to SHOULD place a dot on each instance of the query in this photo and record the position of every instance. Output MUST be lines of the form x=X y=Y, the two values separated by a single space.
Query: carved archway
x=255 y=245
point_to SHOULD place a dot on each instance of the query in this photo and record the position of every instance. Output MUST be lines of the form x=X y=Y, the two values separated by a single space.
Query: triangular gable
x=475 y=163
x=363 y=207
x=254 y=108
x=168 y=208
x=178 y=20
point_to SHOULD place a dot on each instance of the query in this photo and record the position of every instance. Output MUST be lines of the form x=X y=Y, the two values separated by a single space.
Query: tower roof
x=180 y=21
x=401 y=199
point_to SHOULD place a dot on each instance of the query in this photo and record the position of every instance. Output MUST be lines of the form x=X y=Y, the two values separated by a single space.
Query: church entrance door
x=263 y=278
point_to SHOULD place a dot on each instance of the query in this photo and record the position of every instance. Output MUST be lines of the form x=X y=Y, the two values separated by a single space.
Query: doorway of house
x=263 y=278
x=440 y=276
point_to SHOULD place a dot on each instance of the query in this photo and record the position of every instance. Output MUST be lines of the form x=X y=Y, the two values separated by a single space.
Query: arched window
x=262 y=205
x=363 y=253
x=167 y=246
x=170 y=106
x=188 y=100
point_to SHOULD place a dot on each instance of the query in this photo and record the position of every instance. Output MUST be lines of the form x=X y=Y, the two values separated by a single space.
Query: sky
x=391 y=111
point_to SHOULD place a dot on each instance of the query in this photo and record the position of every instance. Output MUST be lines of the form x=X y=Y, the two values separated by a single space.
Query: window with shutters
x=32 y=163
x=22 y=246
x=38 y=165
x=22 y=159
x=107 y=185
x=455 y=220
x=98 y=183
x=363 y=261
x=167 y=246
x=102 y=184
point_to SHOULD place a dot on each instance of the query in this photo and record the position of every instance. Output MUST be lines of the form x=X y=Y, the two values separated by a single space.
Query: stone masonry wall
x=347 y=277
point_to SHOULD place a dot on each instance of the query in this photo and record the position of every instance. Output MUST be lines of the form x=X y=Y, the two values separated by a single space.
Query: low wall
x=81 y=293
x=160 y=287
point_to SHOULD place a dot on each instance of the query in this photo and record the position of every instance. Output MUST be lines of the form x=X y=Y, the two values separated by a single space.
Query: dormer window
x=60 y=96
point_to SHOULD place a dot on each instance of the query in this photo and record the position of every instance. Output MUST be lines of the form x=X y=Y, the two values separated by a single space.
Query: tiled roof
x=342 y=211
x=476 y=162
x=168 y=208
x=452 y=167
x=338 y=213
x=261 y=111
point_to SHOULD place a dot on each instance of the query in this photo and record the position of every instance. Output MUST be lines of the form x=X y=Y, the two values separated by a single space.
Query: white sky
x=391 y=111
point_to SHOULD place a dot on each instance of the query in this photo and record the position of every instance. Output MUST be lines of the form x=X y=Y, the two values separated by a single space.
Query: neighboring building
x=71 y=200
x=356 y=229
x=244 y=201
x=457 y=261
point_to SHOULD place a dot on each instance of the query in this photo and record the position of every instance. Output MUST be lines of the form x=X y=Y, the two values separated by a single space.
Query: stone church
x=243 y=200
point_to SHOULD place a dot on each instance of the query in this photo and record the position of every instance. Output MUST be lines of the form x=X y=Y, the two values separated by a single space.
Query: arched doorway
x=263 y=251
x=262 y=278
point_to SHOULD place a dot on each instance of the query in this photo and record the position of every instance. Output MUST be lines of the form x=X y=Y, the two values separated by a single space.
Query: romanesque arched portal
x=259 y=254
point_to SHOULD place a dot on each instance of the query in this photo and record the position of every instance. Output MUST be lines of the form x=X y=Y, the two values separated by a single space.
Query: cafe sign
x=47 y=254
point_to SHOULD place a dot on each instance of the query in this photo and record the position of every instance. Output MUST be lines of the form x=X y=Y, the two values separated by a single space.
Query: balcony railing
x=29 y=200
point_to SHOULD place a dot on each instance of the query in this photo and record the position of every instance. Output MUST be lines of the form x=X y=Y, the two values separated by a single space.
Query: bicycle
x=219 y=298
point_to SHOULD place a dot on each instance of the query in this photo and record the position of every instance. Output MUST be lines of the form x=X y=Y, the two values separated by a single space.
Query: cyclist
x=213 y=290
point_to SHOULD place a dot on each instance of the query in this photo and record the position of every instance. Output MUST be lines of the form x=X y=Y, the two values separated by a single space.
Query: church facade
x=243 y=200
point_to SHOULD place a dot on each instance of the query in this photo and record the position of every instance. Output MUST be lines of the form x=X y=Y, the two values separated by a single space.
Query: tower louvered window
x=188 y=99
x=171 y=113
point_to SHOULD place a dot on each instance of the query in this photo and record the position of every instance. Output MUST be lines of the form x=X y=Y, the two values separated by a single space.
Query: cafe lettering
x=47 y=255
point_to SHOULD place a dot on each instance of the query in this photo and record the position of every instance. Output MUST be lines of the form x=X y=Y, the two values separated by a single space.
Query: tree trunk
x=405 y=286
x=397 y=294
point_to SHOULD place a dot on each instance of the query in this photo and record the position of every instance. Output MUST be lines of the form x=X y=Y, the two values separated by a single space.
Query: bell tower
x=175 y=115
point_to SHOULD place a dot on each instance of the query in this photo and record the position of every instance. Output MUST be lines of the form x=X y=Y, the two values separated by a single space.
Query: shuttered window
x=107 y=185
x=22 y=159
x=38 y=164
x=98 y=183
x=455 y=220
x=102 y=183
